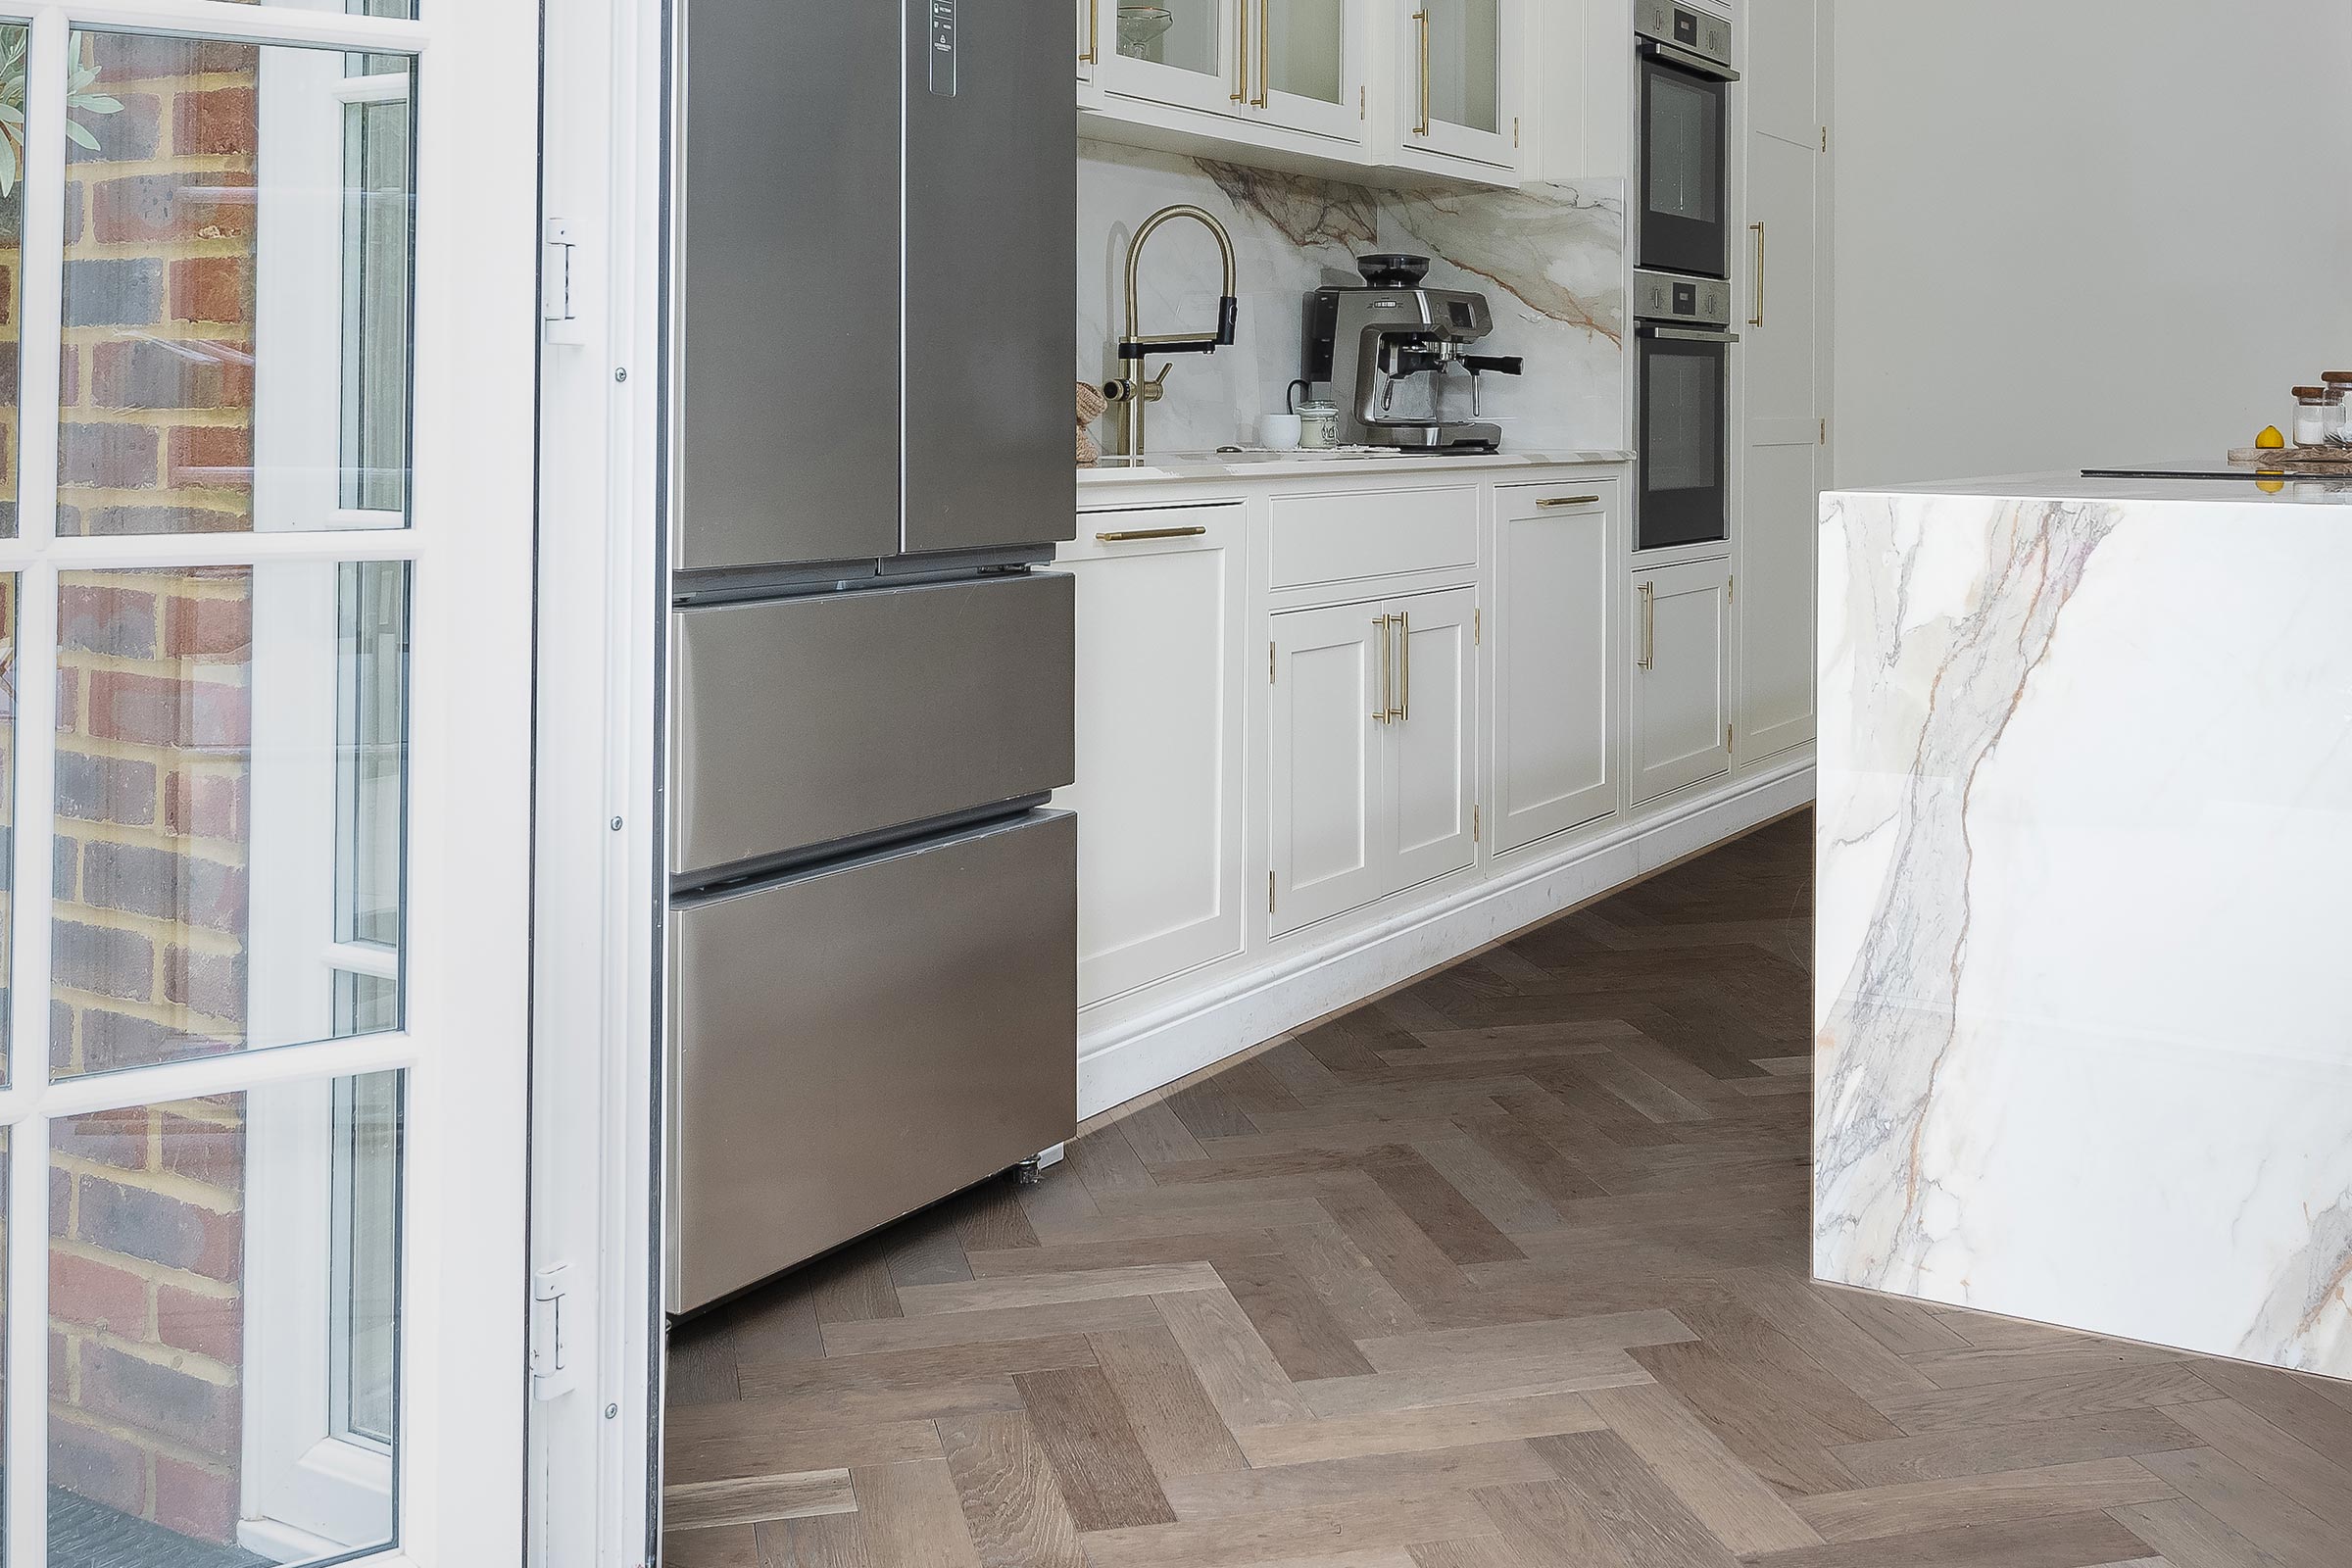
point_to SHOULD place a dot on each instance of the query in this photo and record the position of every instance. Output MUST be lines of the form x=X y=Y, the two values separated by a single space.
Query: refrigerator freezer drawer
x=800 y=722
x=856 y=1042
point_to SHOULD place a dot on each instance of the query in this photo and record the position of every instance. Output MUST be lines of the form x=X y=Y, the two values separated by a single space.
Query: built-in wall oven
x=1686 y=67
x=1682 y=337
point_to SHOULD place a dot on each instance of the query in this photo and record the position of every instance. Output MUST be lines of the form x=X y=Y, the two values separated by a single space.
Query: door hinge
x=1477 y=824
x=1269 y=893
x=1731 y=590
x=559 y=284
x=1825 y=430
x=552 y=1370
x=1727 y=737
x=1478 y=627
x=1825 y=138
x=1270 y=664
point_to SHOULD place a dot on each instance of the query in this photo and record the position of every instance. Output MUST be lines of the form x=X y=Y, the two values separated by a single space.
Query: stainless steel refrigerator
x=871 y=928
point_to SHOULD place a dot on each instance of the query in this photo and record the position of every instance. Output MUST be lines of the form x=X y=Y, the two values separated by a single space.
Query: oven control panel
x=1703 y=32
x=1679 y=297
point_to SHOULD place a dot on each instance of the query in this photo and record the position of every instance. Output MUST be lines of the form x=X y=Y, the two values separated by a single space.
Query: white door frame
x=595 y=1435
x=463 y=1046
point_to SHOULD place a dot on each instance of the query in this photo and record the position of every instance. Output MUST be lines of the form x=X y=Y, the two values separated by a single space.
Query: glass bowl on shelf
x=1141 y=28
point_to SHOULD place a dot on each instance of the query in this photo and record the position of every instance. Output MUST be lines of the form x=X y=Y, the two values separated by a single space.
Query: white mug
x=1278 y=432
x=1319 y=425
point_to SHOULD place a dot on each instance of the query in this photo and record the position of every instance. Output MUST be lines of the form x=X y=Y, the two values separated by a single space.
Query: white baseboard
x=1136 y=1054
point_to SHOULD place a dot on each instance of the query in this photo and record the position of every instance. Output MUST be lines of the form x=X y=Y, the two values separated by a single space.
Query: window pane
x=232 y=777
x=202 y=1300
x=238 y=268
x=12 y=235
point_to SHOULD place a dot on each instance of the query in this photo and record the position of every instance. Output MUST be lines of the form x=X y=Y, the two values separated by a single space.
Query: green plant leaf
x=81 y=136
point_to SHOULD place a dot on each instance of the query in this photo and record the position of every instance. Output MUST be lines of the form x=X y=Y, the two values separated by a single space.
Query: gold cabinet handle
x=1241 y=72
x=1093 y=34
x=1569 y=501
x=1404 y=663
x=1266 y=48
x=1649 y=626
x=1387 y=672
x=1422 y=17
x=1131 y=535
x=1757 y=320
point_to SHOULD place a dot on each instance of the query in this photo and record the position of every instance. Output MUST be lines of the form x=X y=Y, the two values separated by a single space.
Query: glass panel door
x=1187 y=53
x=1309 y=65
x=264 y=614
x=1461 y=73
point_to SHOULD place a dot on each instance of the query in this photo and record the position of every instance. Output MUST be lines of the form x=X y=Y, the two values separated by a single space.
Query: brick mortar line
x=162 y=1183
x=149 y=1270
x=219 y=1374
x=141 y=1437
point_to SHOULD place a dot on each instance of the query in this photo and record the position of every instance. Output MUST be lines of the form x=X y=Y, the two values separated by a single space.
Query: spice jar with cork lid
x=2339 y=432
x=2315 y=414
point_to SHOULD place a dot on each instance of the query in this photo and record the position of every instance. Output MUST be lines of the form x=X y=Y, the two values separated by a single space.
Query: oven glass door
x=1682 y=158
x=1685 y=453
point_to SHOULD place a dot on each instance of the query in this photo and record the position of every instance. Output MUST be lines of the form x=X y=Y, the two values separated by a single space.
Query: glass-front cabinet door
x=1460 y=80
x=1187 y=53
x=1307 y=61
x=266 y=511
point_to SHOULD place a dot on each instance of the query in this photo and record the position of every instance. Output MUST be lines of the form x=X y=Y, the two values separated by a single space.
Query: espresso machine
x=1386 y=353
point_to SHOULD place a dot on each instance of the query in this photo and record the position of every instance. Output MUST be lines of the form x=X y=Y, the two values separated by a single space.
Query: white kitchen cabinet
x=1432 y=757
x=1327 y=777
x=1281 y=65
x=1783 y=370
x=1678 y=705
x=1460 y=79
x=1371 y=758
x=1159 y=743
x=1554 y=767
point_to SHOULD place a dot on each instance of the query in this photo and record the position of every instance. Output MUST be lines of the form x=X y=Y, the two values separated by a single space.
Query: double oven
x=1682 y=277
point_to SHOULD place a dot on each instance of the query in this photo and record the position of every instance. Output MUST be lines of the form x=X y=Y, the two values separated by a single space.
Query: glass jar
x=2340 y=383
x=2315 y=416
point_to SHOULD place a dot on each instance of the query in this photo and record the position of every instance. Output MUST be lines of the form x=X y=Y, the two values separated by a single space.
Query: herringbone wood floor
x=1505 y=1270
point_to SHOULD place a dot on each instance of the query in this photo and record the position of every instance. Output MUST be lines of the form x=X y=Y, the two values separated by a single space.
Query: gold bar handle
x=1241 y=72
x=1404 y=660
x=1266 y=48
x=1093 y=34
x=1569 y=501
x=1757 y=320
x=1649 y=626
x=1422 y=17
x=1131 y=535
x=1387 y=672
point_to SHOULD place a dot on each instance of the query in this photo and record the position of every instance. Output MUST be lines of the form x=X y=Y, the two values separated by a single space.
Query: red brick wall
x=154 y=726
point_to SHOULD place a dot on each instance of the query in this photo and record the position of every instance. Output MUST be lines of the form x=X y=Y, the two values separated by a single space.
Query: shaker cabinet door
x=1325 y=775
x=1555 y=767
x=1432 y=755
x=1460 y=64
x=1185 y=53
x=1680 y=711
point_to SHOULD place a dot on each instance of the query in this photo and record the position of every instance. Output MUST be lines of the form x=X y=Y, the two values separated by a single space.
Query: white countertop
x=1177 y=466
x=2253 y=489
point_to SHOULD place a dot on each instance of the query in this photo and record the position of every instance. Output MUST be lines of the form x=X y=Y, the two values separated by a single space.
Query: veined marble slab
x=2084 y=910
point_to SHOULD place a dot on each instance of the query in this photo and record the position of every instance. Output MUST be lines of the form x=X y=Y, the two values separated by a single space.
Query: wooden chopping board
x=2294 y=459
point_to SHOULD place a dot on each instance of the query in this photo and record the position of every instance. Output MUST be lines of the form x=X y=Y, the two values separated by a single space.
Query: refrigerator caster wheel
x=1027 y=1171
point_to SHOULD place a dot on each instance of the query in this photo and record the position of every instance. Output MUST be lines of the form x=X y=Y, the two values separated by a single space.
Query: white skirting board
x=1138 y=1054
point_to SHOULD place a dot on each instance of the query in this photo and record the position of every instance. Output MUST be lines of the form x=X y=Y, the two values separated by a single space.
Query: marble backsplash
x=1551 y=259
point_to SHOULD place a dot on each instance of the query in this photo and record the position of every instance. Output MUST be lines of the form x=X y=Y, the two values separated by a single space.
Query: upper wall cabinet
x=1459 y=84
x=1288 y=75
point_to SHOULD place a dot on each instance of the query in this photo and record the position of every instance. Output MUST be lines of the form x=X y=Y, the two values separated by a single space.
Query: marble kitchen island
x=2083 y=1045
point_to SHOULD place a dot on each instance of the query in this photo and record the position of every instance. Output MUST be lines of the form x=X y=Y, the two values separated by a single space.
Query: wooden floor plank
x=1915 y=1507
x=2071 y=1541
x=748 y=1500
x=996 y=1323
x=1237 y=1371
x=1105 y=1478
x=1425 y=1473
x=1300 y=1534
x=2017 y=1445
x=1629 y=1506
x=1290 y=1317
x=2320 y=1483
x=1541 y=1524
x=1419 y=1430
x=2251 y=1506
x=1439 y=1209
x=2045 y=1398
x=1013 y=1502
x=1746 y=1415
x=914 y=1370
x=911 y=1517
x=1744 y=1513
x=1179 y=1430
x=2187 y=1537
x=1472 y=1383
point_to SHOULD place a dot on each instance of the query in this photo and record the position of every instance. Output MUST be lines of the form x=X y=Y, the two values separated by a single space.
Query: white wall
x=2081 y=232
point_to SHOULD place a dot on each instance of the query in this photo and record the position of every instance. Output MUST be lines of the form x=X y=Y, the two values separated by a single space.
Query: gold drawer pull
x=1569 y=501
x=1385 y=713
x=1133 y=534
x=1649 y=627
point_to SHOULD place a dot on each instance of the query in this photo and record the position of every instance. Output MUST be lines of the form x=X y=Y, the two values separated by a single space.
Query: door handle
x=1569 y=501
x=1240 y=73
x=1404 y=662
x=1130 y=535
x=1265 y=49
x=1093 y=34
x=1757 y=320
x=1649 y=627
x=1422 y=17
x=1388 y=671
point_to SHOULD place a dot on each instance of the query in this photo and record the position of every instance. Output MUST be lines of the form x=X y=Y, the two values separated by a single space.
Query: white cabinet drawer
x=1517 y=501
x=1371 y=533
